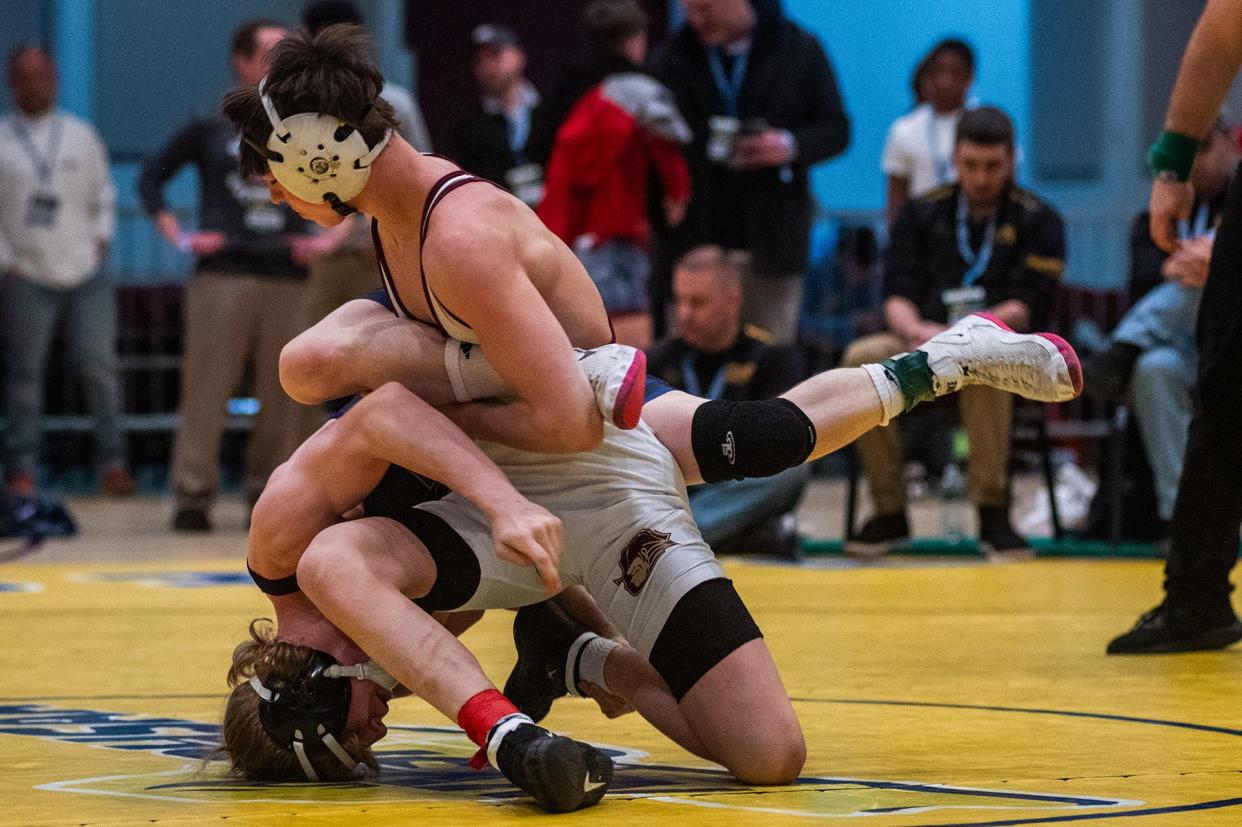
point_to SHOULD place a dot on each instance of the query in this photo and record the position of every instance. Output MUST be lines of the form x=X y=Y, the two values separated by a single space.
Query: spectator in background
x=243 y=302
x=596 y=193
x=762 y=101
x=56 y=221
x=716 y=356
x=983 y=243
x=491 y=140
x=918 y=153
x=1153 y=347
x=342 y=262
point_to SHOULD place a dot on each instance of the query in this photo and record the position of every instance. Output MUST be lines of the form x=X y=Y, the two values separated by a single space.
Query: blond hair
x=250 y=751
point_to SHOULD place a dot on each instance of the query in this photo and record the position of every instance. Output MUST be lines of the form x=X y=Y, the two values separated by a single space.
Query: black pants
x=1208 y=512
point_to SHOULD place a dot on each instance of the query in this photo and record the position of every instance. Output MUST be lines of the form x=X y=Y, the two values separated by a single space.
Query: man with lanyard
x=981 y=243
x=715 y=356
x=491 y=140
x=918 y=152
x=55 y=225
x=1196 y=613
x=730 y=69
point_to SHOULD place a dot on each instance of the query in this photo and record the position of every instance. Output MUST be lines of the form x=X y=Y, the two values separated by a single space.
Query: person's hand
x=613 y=706
x=1188 y=265
x=166 y=225
x=922 y=332
x=1170 y=202
x=674 y=211
x=528 y=535
x=769 y=148
x=206 y=242
x=306 y=248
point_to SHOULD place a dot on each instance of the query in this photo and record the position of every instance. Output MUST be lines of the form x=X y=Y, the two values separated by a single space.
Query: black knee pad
x=736 y=440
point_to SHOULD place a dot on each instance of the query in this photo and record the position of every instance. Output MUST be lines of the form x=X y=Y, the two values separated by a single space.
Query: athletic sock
x=912 y=376
x=471 y=375
x=586 y=661
x=486 y=719
x=892 y=401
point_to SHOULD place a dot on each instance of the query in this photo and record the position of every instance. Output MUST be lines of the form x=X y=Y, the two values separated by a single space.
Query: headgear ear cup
x=318 y=157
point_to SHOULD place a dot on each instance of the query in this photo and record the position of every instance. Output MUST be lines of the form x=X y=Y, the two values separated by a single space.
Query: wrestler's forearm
x=1208 y=68
x=518 y=424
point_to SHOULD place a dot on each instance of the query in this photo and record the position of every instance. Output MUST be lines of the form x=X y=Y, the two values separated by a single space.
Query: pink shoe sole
x=1067 y=351
x=628 y=408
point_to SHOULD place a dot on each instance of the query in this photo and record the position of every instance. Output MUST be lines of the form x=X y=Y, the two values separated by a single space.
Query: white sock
x=585 y=662
x=892 y=400
x=471 y=375
x=499 y=730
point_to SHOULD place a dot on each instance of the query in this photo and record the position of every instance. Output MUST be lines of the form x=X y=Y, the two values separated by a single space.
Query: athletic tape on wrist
x=1173 y=152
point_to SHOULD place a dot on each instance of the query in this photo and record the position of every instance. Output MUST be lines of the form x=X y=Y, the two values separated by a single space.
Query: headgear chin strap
x=311 y=707
x=318 y=157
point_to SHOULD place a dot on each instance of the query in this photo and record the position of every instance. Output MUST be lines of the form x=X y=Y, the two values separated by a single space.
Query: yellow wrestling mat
x=930 y=693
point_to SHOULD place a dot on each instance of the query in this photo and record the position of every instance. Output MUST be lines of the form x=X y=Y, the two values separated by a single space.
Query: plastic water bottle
x=954 y=514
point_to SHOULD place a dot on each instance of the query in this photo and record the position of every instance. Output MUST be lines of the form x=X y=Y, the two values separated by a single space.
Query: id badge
x=526 y=182
x=721 y=135
x=42 y=210
x=960 y=302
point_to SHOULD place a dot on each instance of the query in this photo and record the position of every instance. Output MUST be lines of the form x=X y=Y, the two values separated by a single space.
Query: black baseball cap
x=494 y=34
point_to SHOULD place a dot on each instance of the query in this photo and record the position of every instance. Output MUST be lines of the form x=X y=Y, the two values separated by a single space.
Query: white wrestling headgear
x=318 y=157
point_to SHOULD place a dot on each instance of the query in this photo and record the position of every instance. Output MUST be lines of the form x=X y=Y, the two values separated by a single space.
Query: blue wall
x=874 y=47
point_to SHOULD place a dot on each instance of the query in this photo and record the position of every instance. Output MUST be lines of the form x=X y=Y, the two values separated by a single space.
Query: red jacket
x=596 y=181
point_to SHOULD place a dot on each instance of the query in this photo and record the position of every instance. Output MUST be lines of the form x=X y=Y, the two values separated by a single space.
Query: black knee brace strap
x=736 y=440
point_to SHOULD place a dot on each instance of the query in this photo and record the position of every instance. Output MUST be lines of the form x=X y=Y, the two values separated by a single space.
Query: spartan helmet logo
x=640 y=557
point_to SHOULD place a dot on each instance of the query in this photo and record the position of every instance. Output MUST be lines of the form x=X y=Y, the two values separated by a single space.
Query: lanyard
x=691 y=378
x=1184 y=230
x=43 y=163
x=939 y=160
x=976 y=262
x=519 y=130
x=730 y=87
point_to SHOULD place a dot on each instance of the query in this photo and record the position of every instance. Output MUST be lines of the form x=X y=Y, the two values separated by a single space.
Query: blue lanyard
x=691 y=378
x=43 y=163
x=519 y=131
x=1185 y=232
x=730 y=87
x=940 y=161
x=977 y=262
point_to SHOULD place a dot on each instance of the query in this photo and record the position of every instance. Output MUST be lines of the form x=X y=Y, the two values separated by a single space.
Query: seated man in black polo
x=717 y=357
x=983 y=244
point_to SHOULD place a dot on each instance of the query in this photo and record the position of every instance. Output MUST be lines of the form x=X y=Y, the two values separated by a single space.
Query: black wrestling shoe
x=543 y=635
x=1166 y=629
x=561 y=774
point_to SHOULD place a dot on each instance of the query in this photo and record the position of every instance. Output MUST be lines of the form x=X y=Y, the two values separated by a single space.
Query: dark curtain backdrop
x=439 y=32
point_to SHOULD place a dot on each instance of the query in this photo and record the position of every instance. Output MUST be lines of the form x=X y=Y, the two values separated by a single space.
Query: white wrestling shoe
x=618 y=375
x=983 y=350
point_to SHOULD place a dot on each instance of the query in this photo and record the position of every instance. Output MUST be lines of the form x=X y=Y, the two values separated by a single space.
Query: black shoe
x=879 y=535
x=1166 y=629
x=191 y=519
x=561 y=774
x=997 y=539
x=542 y=634
x=1106 y=375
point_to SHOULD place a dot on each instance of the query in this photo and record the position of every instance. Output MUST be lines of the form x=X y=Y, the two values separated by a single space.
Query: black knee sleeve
x=707 y=625
x=736 y=440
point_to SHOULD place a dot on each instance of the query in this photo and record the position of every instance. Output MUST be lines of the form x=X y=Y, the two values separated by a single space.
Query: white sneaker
x=618 y=375
x=983 y=350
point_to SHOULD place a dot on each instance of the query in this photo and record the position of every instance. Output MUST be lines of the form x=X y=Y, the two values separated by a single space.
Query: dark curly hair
x=332 y=73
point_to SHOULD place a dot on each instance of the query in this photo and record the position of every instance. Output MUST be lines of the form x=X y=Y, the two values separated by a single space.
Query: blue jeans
x=620 y=270
x=725 y=509
x=30 y=313
x=1162 y=324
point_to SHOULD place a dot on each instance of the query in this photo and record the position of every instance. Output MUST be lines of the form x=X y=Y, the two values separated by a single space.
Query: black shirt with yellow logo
x=752 y=369
x=923 y=258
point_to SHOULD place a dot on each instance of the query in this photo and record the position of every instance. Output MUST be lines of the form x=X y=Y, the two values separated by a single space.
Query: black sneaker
x=879 y=535
x=191 y=519
x=997 y=539
x=542 y=634
x=1106 y=375
x=561 y=774
x=1166 y=629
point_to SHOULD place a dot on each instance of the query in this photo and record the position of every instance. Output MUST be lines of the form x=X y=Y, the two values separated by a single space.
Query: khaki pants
x=986 y=416
x=231 y=319
x=338 y=277
x=773 y=303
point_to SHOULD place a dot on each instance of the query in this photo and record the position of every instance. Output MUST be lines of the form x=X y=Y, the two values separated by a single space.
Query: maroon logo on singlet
x=640 y=557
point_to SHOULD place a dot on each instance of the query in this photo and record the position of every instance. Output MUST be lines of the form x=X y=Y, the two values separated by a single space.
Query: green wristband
x=1172 y=152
